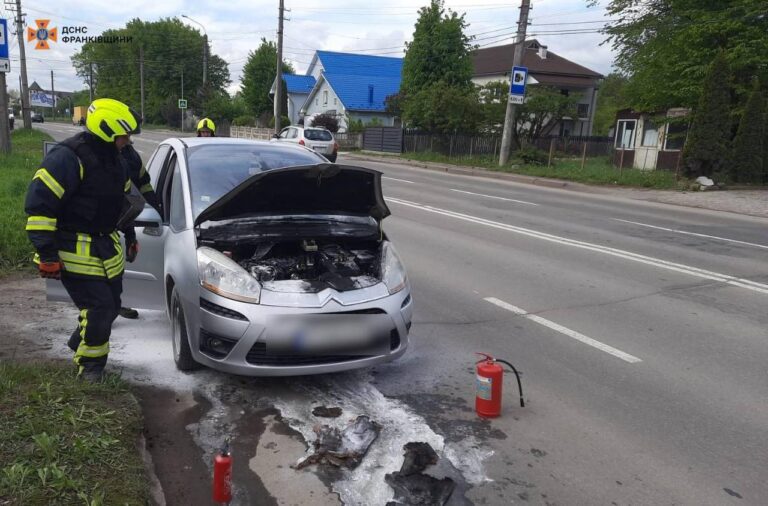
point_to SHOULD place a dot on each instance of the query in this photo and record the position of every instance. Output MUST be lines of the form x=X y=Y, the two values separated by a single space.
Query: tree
x=746 y=160
x=544 y=106
x=438 y=59
x=611 y=98
x=443 y=108
x=665 y=46
x=170 y=48
x=327 y=121
x=493 y=106
x=259 y=75
x=707 y=146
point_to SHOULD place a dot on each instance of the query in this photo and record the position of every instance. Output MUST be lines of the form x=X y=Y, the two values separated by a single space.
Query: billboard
x=40 y=99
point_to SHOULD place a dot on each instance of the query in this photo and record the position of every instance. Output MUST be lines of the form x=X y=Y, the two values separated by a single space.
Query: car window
x=317 y=135
x=294 y=132
x=284 y=133
x=156 y=164
x=166 y=182
x=215 y=169
x=178 y=218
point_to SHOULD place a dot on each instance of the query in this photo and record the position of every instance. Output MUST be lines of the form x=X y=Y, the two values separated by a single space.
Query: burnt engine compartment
x=319 y=264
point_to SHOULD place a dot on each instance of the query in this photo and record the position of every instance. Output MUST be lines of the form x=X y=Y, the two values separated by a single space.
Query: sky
x=235 y=27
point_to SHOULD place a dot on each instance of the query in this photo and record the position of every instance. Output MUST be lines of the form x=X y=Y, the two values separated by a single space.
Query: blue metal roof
x=362 y=92
x=299 y=84
x=362 y=82
x=360 y=64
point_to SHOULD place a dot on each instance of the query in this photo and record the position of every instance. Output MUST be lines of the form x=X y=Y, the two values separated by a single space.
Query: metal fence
x=385 y=139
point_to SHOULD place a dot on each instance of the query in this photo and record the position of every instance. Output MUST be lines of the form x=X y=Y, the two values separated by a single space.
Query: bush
x=355 y=126
x=532 y=156
x=284 y=121
x=244 y=121
x=327 y=121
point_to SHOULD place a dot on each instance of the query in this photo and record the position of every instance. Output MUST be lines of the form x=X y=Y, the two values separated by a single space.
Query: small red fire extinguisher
x=222 y=475
x=489 y=378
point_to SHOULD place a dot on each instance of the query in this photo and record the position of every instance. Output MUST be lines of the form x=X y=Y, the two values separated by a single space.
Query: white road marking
x=565 y=331
x=494 y=197
x=694 y=233
x=627 y=255
x=395 y=179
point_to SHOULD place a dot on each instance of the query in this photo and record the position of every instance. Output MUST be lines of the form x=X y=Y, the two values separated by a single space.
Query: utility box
x=78 y=114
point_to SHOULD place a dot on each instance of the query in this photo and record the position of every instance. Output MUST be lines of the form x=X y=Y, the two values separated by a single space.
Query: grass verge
x=596 y=170
x=64 y=441
x=16 y=171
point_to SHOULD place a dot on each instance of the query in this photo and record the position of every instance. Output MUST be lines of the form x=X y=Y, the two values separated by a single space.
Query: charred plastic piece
x=343 y=448
x=412 y=486
x=326 y=412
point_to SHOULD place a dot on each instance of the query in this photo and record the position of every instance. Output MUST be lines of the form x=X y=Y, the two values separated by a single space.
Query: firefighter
x=206 y=128
x=74 y=203
x=140 y=178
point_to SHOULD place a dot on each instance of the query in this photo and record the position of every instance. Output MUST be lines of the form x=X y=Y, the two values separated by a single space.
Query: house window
x=675 y=138
x=582 y=110
x=625 y=133
x=325 y=97
x=650 y=133
x=334 y=101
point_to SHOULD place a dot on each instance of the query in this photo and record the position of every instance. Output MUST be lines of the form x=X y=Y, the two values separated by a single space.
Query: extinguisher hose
x=517 y=375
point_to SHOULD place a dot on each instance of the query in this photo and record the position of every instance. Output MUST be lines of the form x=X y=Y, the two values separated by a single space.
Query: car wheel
x=332 y=158
x=182 y=354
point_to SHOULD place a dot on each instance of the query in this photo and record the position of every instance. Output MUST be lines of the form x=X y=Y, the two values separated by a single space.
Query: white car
x=318 y=139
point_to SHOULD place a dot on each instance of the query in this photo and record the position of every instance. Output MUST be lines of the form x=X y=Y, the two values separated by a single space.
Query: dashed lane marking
x=494 y=197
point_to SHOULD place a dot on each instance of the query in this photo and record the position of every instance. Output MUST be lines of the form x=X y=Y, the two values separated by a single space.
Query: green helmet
x=108 y=118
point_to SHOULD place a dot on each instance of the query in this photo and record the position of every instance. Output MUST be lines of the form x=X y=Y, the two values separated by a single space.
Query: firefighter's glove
x=50 y=270
x=131 y=250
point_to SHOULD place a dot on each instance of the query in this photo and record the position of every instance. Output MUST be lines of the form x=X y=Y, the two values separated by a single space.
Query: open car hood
x=311 y=189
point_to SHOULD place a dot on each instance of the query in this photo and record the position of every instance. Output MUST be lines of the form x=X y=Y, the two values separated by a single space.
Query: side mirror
x=149 y=218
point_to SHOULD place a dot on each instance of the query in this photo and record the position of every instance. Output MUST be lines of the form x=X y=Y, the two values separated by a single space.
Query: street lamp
x=205 y=47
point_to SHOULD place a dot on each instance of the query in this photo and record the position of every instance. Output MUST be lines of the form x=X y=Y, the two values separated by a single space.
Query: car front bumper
x=243 y=328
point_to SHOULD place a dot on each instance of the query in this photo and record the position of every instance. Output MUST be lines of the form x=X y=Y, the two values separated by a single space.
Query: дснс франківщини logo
x=42 y=34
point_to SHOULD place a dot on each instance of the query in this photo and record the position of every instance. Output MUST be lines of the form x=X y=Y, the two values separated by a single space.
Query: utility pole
x=5 y=132
x=53 y=95
x=510 y=117
x=182 y=97
x=205 y=59
x=279 y=80
x=90 y=82
x=25 y=109
x=141 y=78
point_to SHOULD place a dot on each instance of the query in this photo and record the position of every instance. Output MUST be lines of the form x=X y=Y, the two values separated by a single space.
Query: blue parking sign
x=517 y=83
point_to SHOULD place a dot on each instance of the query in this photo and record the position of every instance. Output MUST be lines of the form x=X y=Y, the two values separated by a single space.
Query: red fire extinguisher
x=488 y=381
x=222 y=475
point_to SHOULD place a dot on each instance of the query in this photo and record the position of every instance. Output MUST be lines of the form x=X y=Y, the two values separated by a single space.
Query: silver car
x=317 y=139
x=269 y=260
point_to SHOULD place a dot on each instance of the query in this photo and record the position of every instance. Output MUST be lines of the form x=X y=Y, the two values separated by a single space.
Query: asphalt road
x=640 y=329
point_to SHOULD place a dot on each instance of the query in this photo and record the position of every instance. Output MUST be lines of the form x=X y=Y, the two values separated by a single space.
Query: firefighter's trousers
x=98 y=300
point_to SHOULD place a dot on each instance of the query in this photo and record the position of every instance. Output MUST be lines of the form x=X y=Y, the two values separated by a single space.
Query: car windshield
x=215 y=169
x=317 y=135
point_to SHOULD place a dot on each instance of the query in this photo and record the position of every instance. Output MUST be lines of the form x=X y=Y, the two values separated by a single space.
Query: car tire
x=332 y=158
x=182 y=353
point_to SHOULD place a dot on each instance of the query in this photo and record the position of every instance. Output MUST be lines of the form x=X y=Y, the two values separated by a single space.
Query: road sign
x=517 y=84
x=5 y=62
x=182 y=103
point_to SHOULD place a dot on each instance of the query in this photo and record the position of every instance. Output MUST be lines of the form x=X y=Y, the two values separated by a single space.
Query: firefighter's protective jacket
x=74 y=202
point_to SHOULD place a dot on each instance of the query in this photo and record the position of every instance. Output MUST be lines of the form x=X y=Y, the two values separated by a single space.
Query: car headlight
x=392 y=269
x=223 y=276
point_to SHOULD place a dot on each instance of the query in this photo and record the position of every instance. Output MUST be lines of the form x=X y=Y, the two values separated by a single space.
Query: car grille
x=258 y=355
x=220 y=310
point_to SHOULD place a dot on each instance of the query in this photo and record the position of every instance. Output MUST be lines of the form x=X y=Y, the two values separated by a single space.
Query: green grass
x=64 y=441
x=596 y=170
x=16 y=171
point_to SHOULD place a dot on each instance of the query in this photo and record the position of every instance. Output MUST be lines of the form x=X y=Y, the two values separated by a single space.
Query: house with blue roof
x=349 y=86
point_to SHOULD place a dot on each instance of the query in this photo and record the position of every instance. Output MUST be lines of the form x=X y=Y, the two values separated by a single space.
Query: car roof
x=198 y=141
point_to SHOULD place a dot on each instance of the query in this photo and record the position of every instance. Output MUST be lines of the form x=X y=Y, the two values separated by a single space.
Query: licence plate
x=329 y=335
x=319 y=148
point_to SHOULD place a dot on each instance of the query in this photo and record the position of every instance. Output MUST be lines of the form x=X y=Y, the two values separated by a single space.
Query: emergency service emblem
x=42 y=34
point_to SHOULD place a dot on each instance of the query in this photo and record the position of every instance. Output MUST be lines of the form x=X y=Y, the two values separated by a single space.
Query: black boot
x=127 y=312
x=92 y=372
